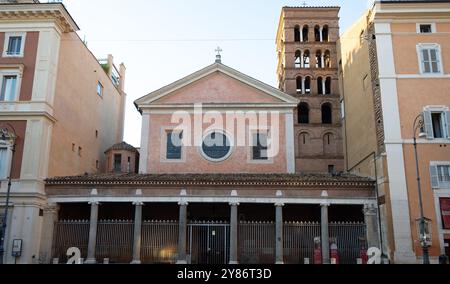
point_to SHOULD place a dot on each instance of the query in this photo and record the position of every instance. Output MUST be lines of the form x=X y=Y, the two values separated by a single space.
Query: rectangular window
x=331 y=169
x=445 y=212
x=444 y=174
x=14 y=46
x=174 y=145
x=4 y=163
x=437 y=123
x=430 y=59
x=117 y=162
x=260 y=147
x=8 y=88
x=425 y=28
x=100 y=89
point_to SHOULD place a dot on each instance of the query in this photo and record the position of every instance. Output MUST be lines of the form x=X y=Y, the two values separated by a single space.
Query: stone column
x=371 y=220
x=301 y=34
x=322 y=60
x=303 y=85
x=325 y=234
x=234 y=233
x=321 y=34
x=279 y=233
x=182 y=233
x=137 y=233
x=92 y=233
x=302 y=62
x=48 y=227
x=324 y=92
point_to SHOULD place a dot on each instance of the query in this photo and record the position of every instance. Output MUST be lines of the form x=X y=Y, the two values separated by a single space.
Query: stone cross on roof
x=218 y=56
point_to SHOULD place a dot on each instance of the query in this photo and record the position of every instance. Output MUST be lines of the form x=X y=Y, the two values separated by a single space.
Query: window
x=326 y=114
x=80 y=151
x=297 y=34
x=430 y=59
x=426 y=28
x=216 y=146
x=437 y=123
x=305 y=32
x=100 y=89
x=8 y=88
x=327 y=57
x=319 y=59
x=306 y=59
x=440 y=175
x=303 y=113
x=260 y=147
x=174 y=145
x=299 y=81
x=97 y=164
x=325 y=33
x=117 y=162
x=73 y=147
x=96 y=133
x=320 y=86
x=328 y=86
x=331 y=169
x=445 y=212
x=308 y=85
x=298 y=59
x=317 y=34
x=14 y=45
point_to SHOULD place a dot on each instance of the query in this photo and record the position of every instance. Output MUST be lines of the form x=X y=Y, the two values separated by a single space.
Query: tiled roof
x=212 y=179
x=122 y=146
x=415 y=1
x=311 y=7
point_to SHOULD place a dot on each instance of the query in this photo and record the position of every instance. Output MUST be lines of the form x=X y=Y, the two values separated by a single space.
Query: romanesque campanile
x=308 y=70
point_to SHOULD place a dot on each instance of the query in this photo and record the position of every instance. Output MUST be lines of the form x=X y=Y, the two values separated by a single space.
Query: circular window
x=216 y=146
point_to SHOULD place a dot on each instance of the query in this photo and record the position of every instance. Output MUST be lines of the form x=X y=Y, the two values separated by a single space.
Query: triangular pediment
x=217 y=84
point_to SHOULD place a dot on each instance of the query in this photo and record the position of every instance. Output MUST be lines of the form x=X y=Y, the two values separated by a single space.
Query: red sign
x=445 y=211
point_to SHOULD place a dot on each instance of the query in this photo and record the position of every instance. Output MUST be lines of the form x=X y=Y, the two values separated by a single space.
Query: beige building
x=394 y=67
x=63 y=107
x=307 y=70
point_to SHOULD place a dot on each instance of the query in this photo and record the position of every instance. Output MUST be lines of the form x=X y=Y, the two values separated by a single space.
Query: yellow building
x=394 y=68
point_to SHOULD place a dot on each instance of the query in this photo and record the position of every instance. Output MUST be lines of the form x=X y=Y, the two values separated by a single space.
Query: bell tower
x=308 y=70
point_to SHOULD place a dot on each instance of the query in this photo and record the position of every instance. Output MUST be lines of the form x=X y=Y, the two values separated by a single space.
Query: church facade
x=217 y=184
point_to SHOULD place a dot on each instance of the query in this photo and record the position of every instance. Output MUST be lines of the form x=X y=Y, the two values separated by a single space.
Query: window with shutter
x=430 y=58
x=434 y=177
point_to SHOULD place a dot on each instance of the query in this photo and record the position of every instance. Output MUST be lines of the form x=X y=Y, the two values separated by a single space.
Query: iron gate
x=208 y=243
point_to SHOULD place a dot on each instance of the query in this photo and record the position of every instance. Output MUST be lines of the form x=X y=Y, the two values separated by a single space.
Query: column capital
x=370 y=209
x=325 y=204
x=138 y=203
x=51 y=208
x=94 y=203
x=279 y=204
x=234 y=203
x=183 y=203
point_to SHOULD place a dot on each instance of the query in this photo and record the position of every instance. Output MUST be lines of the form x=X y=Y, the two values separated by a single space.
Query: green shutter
x=447 y=123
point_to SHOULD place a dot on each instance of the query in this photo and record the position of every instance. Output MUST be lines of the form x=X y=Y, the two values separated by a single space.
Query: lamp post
x=419 y=124
x=5 y=135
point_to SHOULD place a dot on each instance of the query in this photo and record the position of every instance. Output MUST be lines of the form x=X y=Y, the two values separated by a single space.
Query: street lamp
x=423 y=222
x=7 y=135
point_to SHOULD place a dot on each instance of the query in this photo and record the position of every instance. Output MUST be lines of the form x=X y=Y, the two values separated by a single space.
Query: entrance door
x=209 y=243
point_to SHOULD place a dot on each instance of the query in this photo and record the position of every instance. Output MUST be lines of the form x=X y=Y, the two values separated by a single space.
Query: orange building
x=57 y=105
x=395 y=71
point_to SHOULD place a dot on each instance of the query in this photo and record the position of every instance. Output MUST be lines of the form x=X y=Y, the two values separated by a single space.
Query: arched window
x=327 y=115
x=297 y=34
x=303 y=113
x=327 y=57
x=306 y=59
x=319 y=59
x=320 y=85
x=299 y=85
x=325 y=33
x=308 y=85
x=298 y=59
x=305 y=32
x=317 y=33
x=328 y=86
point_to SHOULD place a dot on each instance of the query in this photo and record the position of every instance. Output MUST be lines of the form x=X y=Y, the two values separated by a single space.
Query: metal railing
x=348 y=236
x=115 y=241
x=299 y=241
x=67 y=234
x=159 y=242
x=256 y=242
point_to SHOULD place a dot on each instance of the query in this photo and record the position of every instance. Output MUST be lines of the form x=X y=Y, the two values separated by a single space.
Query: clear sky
x=161 y=41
